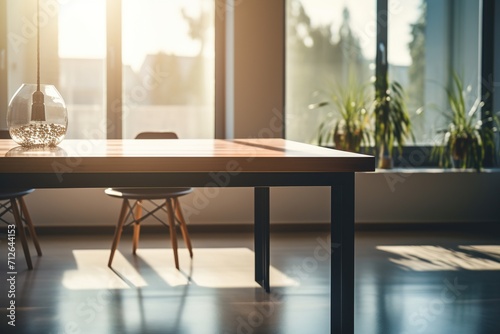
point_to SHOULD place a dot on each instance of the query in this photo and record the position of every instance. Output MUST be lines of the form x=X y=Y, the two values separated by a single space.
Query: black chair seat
x=147 y=193
x=14 y=193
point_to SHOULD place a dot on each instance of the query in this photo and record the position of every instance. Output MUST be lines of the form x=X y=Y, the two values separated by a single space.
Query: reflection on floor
x=405 y=283
x=428 y=258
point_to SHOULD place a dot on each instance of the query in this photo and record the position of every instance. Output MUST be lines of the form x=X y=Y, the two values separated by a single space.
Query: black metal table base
x=261 y=236
x=342 y=250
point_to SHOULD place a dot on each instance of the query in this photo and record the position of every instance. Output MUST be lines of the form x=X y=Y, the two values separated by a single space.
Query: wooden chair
x=137 y=196
x=12 y=201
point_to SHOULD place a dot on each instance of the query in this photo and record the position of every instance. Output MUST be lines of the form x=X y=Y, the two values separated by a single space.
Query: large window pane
x=406 y=56
x=72 y=50
x=168 y=63
x=168 y=67
x=328 y=43
x=428 y=40
x=82 y=54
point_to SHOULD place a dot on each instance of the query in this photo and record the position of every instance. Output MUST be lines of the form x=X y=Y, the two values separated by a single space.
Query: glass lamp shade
x=36 y=120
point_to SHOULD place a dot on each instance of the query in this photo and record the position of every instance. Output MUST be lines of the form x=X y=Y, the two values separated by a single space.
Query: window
x=168 y=67
x=330 y=41
x=82 y=63
x=166 y=49
x=407 y=57
x=427 y=42
x=327 y=43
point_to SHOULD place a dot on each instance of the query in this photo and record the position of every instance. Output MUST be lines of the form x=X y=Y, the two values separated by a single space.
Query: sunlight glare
x=148 y=27
x=82 y=29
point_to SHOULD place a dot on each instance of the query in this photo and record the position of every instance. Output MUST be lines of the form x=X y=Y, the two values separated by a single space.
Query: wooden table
x=257 y=163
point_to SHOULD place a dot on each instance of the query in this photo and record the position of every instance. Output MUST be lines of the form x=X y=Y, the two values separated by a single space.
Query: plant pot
x=347 y=142
x=460 y=147
x=385 y=162
x=339 y=140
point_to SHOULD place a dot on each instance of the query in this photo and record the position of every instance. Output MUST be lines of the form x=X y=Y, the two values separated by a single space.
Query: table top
x=181 y=155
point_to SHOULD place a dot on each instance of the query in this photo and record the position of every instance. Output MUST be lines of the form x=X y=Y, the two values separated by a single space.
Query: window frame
x=4 y=90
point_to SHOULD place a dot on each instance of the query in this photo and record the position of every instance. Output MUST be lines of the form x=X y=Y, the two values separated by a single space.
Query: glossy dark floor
x=411 y=282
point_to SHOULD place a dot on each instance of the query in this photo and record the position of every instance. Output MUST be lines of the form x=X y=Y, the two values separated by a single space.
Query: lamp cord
x=38 y=45
x=38 y=106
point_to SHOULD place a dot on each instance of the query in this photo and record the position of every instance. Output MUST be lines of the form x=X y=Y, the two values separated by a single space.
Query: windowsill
x=434 y=170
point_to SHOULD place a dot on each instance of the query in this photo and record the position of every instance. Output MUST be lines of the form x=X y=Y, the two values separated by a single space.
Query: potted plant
x=464 y=140
x=392 y=122
x=348 y=126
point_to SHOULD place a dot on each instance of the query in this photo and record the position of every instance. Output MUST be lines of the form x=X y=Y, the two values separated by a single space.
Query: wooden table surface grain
x=182 y=155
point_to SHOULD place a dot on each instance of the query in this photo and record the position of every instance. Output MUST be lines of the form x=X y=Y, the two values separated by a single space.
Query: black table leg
x=342 y=266
x=261 y=236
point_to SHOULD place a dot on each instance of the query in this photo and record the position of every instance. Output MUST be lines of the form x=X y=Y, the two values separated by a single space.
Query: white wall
x=258 y=68
x=428 y=196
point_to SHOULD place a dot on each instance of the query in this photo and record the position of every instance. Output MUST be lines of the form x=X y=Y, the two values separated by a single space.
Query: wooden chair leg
x=173 y=234
x=25 y=213
x=118 y=231
x=20 y=231
x=137 y=226
x=182 y=223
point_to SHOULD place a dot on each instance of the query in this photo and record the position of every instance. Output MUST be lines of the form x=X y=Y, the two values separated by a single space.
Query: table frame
x=341 y=183
x=342 y=217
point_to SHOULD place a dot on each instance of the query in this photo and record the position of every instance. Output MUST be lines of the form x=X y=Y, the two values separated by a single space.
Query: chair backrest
x=157 y=135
